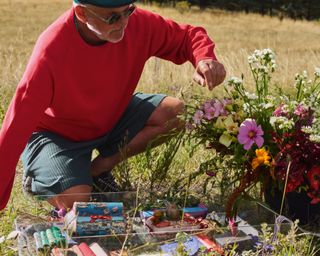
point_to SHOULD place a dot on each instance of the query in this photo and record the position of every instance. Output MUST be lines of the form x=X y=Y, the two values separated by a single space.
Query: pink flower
x=219 y=109
x=233 y=226
x=209 y=110
x=301 y=110
x=198 y=115
x=280 y=111
x=249 y=133
x=215 y=108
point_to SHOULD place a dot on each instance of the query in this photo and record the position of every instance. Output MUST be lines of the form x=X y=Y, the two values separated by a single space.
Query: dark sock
x=105 y=182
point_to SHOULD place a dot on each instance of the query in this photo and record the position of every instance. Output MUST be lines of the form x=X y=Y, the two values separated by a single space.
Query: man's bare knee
x=178 y=107
x=80 y=193
x=168 y=110
x=172 y=105
x=175 y=107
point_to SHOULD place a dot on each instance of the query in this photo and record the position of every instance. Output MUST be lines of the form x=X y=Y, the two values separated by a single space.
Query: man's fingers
x=220 y=74
x=199 y=79
x=213 y=82
x=205 y=70
x=210 y=73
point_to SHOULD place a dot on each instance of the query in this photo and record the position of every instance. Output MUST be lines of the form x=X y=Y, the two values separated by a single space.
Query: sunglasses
x=114 y=17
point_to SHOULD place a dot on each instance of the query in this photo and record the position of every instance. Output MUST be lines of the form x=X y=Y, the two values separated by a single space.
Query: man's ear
x=80 y=13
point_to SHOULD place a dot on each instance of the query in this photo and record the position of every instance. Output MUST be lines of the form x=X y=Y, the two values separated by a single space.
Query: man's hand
x=209 y=73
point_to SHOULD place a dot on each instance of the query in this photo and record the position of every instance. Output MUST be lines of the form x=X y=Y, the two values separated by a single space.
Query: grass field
x=236 y=35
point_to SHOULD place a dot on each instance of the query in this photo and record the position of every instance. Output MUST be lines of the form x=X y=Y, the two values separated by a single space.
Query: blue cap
x=105 y=3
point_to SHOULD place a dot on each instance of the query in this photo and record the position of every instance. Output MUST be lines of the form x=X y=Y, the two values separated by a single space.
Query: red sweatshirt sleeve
x=32 y=97
x=179 y=43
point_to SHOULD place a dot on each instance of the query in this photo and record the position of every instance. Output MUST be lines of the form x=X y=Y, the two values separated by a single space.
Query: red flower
x=314 y=177
x=293 y=183
x=315 y=197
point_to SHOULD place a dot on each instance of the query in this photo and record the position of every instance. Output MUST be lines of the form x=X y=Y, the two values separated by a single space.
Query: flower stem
x=285 y=187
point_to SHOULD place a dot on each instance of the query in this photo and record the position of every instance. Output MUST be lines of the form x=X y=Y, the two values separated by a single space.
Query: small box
x=98 y=208
x=198 y=211
x=85 y=226
x=96 y=218
x=171 y=226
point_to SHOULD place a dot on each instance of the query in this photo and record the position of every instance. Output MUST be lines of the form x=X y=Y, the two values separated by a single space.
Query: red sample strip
x=85 y=249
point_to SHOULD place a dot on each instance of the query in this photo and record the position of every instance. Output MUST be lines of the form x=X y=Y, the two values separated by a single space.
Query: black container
x=296 y=205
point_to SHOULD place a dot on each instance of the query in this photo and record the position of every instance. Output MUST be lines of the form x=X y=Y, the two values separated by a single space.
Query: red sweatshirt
x=80 y=91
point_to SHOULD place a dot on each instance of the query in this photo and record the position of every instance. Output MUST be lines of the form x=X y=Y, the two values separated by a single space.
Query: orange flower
x=262 y=157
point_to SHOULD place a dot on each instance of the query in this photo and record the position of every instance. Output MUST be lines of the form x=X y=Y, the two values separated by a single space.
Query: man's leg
x=59 y=169
x=163 y=120
x=79 y=193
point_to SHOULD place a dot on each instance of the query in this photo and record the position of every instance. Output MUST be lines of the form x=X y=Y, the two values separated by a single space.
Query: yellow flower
x=219 y=123
x=226 y=123
x=231 y=126
x=225 y=139
x=262 y=157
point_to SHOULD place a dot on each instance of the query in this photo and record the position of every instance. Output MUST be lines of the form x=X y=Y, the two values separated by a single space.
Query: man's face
x=108 y=24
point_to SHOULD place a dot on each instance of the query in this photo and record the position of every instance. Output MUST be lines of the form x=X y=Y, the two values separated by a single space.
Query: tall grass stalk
x=285 y=187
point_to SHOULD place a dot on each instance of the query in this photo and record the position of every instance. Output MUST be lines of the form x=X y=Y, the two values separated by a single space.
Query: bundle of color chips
x=48 y=238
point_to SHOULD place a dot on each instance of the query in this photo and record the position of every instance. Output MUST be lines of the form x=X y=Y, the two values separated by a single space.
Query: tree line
x=296 y=9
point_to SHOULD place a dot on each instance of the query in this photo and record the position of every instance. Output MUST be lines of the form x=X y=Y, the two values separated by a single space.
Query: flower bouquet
x=266 y=135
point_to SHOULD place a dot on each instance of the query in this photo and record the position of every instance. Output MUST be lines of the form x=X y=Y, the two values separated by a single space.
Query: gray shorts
x=55 y=163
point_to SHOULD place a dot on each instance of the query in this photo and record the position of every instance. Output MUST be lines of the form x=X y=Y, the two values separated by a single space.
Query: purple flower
x=215 y=108
x=189 y=126
x=58 y=213
x=226 y=101
x=211 y=173
x=198 y=115
x=208 y=110
x=249 y=133
x=268 y=248
x=219 y=109
x=62 y=212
